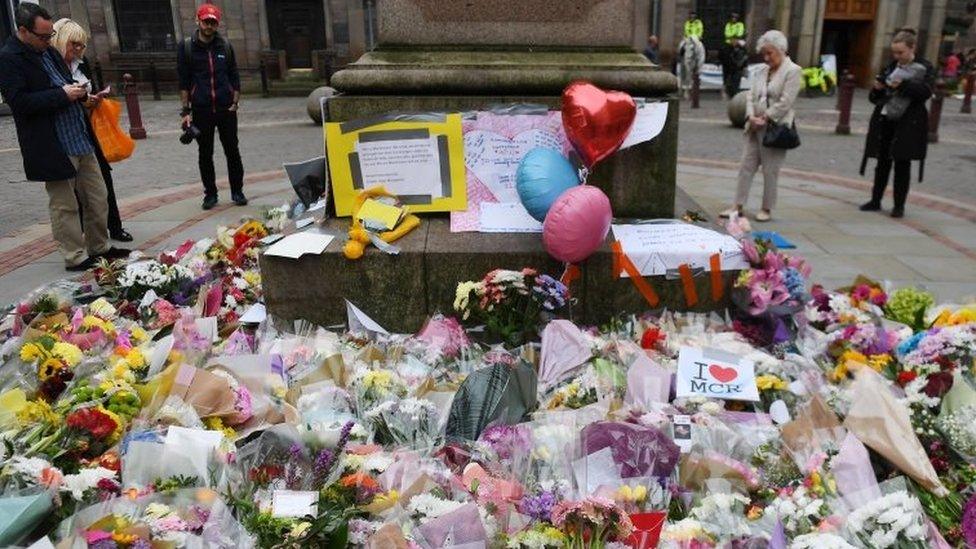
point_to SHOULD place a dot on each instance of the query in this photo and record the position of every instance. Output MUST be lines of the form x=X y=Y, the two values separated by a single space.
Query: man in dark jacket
x=210 y=89
x=56 y=140
x=734 y=59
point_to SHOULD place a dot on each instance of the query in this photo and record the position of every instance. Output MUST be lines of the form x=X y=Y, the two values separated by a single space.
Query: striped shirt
x=70 y=122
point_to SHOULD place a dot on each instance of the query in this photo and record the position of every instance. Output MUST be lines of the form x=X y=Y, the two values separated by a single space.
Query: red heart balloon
x=596 y=121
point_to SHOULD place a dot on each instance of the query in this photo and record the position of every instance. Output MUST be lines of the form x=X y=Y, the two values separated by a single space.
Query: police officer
x=734 y=30
x=694 y=26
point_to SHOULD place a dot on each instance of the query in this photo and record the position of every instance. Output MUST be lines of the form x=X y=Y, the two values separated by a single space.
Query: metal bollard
x=967 y=98
x=935 y=110
x=136 y=131
x=154 y=80
x=695 y=90
x=845 y=99
x=99 y=80
x=265 y=92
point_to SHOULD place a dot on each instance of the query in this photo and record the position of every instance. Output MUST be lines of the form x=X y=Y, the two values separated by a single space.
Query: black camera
x=190 y=132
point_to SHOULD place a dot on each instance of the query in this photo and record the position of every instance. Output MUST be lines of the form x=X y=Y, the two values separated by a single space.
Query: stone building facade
x=128 y=35
x=856 y=31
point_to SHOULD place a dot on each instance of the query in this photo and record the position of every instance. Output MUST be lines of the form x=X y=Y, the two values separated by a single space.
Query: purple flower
x=538 y=506
x=969 y=521
x=551 y=293
x=140 y=544
x=507 y=441
x=103 y=544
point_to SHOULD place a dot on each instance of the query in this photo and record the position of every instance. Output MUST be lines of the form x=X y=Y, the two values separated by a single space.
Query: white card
x=208 y=328
x=289 y=503
x=682 y=426
x=648 y=123
x=255 y=314
x=361 y=322
x=715 y=374
x=596 y=470
x=296 y=245
x=507 y=217
x=43 y=543
x=779 y=412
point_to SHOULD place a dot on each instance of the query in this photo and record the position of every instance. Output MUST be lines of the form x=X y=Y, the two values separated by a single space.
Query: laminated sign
x=716 y=374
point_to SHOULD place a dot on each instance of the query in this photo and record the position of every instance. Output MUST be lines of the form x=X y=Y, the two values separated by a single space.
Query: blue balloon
x=542 y=176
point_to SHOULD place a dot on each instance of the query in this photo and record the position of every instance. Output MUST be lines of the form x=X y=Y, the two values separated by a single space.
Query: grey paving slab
x=848 y=266
x=949 y=269
x=881 y=245
x=18 y=283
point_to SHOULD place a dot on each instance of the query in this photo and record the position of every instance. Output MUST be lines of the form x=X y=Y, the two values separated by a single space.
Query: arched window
x=145 y=25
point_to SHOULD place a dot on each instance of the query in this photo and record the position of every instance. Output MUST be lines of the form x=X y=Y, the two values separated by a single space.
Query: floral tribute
x=137 y=410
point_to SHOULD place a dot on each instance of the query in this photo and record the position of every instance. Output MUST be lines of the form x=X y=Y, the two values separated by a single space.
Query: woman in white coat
x=772 y=95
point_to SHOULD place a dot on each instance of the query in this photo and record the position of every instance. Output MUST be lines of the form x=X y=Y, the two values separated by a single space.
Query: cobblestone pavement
x=705 y=133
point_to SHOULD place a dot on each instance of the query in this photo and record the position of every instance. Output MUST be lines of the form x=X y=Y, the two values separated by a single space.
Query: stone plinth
x=553 y=23
x=400 y=291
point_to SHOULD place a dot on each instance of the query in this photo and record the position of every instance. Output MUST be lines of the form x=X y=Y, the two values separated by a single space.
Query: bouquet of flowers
x=143 y=276
x=410 y=421
x=592 y=522
x=511 y=304
x=893 y=520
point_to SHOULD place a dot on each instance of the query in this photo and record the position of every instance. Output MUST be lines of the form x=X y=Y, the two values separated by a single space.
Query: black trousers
x=224 y=123
x=114 y=219
x=731 y=80
x=903 y=169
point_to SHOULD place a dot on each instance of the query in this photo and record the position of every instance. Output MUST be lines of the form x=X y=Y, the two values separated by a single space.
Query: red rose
x=906 y=377
x=92 y=420
x=652 y=336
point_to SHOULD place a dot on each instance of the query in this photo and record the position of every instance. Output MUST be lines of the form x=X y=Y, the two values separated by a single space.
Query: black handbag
x=781 y=136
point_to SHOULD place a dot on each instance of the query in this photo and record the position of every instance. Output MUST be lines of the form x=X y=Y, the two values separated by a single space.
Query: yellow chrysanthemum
x=135 y=359
x=377 y=379
x=31 y=352
x=38 y=411
x=769 y=382
x=137 y=334
x=69 y=353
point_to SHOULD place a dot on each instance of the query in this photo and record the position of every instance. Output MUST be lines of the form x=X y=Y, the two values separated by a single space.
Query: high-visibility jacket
x=694 y=27
x=734 y=30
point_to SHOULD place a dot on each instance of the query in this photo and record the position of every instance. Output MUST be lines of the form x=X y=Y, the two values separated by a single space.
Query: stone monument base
x=401 y=291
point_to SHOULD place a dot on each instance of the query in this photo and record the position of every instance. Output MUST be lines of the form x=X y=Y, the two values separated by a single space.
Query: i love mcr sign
x=716 y=374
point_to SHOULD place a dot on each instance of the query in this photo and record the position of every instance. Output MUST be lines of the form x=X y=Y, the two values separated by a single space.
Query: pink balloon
x=577 y=224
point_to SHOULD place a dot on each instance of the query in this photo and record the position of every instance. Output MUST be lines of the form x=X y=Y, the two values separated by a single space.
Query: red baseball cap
x=208 y=11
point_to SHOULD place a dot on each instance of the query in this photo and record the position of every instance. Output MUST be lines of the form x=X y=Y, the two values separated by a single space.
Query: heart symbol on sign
x=596 y=121
x=724 y=375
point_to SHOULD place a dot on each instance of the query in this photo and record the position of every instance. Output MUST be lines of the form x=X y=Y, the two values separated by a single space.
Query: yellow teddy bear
x=359 y=237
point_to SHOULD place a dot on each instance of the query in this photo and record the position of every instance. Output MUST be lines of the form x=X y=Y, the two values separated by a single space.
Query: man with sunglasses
x=56 y=140
x=210 y=89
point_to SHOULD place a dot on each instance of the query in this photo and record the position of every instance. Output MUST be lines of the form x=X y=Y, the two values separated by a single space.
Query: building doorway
x=298 y=28
x=848 y=33
x=714 y=14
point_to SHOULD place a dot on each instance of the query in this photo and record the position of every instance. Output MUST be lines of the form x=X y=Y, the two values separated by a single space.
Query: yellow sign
x=419 y=158
x=375 y=211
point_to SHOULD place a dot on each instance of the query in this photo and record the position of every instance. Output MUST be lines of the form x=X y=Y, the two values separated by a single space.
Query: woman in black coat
x=899 y=128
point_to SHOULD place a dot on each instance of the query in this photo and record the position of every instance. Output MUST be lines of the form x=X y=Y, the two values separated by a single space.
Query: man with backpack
x=210 y=90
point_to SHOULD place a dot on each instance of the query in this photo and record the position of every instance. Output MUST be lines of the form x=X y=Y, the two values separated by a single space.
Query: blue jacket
x=35 y=103
x=210 y=74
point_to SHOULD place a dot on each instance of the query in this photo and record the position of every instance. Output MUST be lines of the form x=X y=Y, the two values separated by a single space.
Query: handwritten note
x=403 y=166
x=507 y=217
x=657 y=247
x=296 y=245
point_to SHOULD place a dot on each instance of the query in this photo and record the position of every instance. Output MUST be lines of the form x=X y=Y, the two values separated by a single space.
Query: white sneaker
x=763 y=216
x=728 y=213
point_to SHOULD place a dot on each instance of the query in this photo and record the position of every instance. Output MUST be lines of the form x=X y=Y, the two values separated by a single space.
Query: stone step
x=401 y=291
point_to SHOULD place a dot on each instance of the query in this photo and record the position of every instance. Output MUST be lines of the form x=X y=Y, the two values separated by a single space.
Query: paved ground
x=935 y=245
x=706 y=133
x=272 y=131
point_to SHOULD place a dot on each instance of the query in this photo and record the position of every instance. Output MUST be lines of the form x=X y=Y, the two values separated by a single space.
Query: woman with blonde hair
x=769 y=109
x=71 y=39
